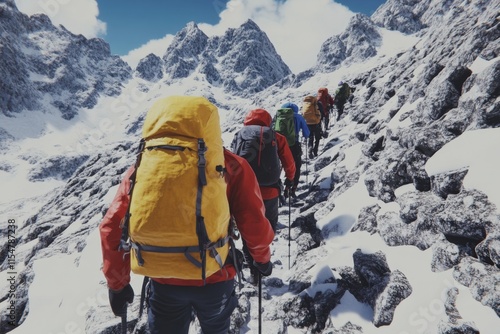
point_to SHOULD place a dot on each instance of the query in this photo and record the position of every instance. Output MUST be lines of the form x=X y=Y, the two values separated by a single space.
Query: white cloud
x=78 y=16
x=156 y=46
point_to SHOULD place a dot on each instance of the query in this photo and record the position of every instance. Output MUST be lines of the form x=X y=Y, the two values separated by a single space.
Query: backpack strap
x=124 y=241
x=211 y=247
x=201 y=229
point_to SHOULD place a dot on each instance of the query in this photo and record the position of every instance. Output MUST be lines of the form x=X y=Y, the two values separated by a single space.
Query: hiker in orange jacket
x=172 y=300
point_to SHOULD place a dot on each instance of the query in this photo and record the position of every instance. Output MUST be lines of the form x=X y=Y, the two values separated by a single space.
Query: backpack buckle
x=125 y=247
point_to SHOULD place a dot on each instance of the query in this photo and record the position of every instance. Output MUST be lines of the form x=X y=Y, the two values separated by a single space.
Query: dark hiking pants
x=171 y=307
x=326 y=120
x=272 y=206
x=314 y=138
x=340 y=108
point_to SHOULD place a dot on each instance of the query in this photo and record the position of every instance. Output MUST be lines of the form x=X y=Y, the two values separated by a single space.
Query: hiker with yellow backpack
x=312 y=114
x=170 y=220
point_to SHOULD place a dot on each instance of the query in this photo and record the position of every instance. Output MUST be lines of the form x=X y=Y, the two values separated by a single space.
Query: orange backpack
x=310 y=110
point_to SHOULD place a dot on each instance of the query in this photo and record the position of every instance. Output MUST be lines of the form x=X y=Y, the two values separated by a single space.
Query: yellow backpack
x=179 y=214
x=310 y=110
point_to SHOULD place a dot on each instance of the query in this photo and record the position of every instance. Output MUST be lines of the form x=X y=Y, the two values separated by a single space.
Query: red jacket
x=326 y=100
x=245 y=203
x=263 y=118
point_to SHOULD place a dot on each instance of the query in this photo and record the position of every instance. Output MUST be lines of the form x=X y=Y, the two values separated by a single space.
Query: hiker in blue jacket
x=300 y=124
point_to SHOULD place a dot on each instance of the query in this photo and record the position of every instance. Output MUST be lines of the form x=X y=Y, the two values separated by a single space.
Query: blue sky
x=133 y=29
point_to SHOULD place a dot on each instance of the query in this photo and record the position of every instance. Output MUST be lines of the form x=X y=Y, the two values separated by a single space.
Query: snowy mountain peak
x=242 y=61
x=183 y=54
x=357 y=43
x=190 y=42
x=250 y=25
x=41 y=62
x=247 y=60
x=248 y=30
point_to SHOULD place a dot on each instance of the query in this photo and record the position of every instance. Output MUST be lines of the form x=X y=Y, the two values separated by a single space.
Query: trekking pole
x=260 y=303
x=124 y=323
x=289 y=233
x=307 y=152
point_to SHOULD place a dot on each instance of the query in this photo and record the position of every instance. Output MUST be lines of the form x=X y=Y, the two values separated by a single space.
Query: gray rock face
x=59 y=167
x=150 y=68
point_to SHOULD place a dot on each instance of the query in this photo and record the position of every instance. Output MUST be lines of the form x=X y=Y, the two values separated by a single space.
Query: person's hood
x=292 y=106
x=258 y=117
x=323 y=89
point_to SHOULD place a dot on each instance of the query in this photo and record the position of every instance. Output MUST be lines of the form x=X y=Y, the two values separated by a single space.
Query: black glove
x=119 y=299
x=288 y=183
x=265 y=269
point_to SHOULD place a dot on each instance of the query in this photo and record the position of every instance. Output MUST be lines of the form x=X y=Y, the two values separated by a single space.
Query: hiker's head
x=292 y=106
x=341 y=83
x=258 y=117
